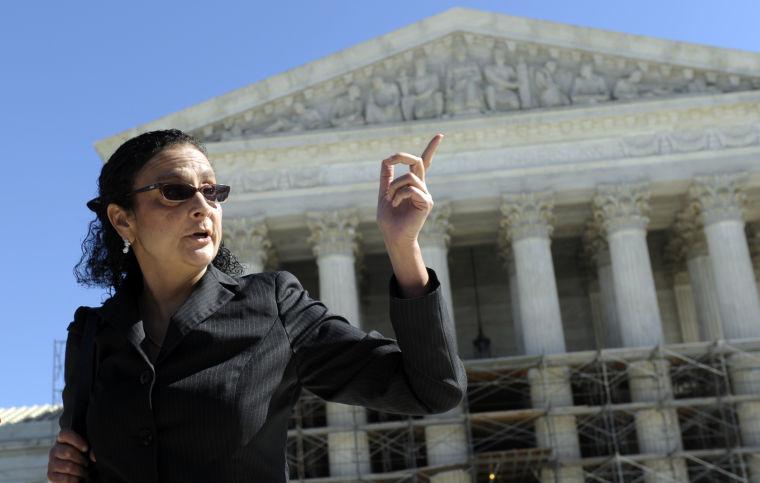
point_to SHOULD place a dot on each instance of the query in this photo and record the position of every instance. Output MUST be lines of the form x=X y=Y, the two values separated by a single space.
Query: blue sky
x=76 y=72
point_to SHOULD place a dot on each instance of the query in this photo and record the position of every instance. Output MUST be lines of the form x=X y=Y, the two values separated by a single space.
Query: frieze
x=490 y=135
x=463 y=75
x=248 y=180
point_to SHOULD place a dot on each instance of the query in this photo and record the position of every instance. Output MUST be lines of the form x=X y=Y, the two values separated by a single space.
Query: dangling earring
x=125 y=250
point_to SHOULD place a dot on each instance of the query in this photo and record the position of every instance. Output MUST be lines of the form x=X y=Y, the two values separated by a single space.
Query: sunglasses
x=182 y=192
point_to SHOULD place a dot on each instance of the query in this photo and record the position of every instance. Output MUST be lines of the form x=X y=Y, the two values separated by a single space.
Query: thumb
x=92 y=456
x=386 y=177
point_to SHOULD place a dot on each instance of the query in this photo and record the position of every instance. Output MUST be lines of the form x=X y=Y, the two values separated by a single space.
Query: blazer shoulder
x=80 y=318
x=257 y=280
x=258 y=287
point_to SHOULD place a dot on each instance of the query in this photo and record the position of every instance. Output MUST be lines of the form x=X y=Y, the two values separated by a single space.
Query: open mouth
x=200 y=235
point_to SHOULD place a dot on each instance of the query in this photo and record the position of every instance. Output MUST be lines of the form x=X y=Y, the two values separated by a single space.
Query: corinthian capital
x=688 y=234
x=719 y=197
x=527 y=214
x=621 y=206
x=333 y=232
x=435 y=231
x=248 y=239
x=595 y=246
x=754 y=245
x=506 y=254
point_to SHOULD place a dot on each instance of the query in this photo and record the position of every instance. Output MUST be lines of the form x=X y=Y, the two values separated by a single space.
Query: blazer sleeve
x=75 y=332
x=418 y=373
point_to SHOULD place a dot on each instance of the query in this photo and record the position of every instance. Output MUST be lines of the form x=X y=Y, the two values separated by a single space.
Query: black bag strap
x=85 y=371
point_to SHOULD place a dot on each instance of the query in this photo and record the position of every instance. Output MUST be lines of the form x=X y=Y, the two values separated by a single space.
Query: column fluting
x=335 y=244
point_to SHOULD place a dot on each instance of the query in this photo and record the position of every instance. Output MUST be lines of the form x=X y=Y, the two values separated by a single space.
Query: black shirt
x=215 y=405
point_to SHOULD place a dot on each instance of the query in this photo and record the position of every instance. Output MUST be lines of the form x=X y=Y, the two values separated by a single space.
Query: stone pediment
x=458 y=64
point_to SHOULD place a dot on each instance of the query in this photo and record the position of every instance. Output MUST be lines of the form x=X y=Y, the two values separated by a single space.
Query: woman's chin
x=200 y=258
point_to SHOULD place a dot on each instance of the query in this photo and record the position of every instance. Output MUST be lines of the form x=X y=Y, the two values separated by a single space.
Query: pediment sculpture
x=466 y=75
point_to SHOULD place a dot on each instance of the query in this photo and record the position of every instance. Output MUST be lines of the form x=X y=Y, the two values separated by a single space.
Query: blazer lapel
x=121 y=312
x=212 y=291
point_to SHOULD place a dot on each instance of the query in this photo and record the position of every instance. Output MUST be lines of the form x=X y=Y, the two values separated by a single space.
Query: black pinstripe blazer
x=215 y=405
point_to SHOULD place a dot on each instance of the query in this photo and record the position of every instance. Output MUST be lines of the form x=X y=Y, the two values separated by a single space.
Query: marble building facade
x=597 y=209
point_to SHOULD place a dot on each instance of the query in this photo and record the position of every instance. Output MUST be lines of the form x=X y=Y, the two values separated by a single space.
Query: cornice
x=550 y=36
x=633 y=123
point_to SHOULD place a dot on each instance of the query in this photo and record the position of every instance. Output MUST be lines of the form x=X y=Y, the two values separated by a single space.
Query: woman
x=197 y=370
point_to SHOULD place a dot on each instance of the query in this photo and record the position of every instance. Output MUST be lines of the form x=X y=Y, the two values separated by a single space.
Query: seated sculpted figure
x=384 y=100
x=422 y=97
x=627 y=88
x=589 y=88
x=549 y=93
x=348 y=109
x=302 y=118
x=501 y=83
x=464 y=93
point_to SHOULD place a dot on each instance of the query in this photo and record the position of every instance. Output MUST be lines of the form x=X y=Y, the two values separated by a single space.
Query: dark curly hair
x=103 y=264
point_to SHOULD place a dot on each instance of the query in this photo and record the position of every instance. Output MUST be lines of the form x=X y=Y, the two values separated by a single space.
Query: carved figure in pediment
x=549 y=92
x=421 y=98
x=589 y=88
x=501 y=83
x=348 y=109
x=302 y=118
x=464 y=91
x=384 y=103
x=234 y=131
x=627 y=88
x=700 y=86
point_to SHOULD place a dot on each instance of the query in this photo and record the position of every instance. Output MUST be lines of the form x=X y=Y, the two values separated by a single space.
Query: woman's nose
x=200 y=205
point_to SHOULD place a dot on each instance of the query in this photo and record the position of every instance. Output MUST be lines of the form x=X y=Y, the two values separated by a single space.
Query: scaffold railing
x=507 y=397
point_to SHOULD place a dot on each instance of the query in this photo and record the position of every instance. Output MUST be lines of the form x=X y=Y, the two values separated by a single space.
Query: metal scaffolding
x=704 y=384
x=697 y=382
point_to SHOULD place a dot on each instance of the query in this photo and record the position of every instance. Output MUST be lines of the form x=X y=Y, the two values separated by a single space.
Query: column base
x=753 y=467
x=559 y=433
x=666 y=470
x=658 y=431
x=550 y=386
x=456 y=476
x=570 y=474
x=348 y=453
x=446 y=444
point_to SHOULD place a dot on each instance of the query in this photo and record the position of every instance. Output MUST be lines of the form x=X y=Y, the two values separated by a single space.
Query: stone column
x=754 y=250
x=445 y=443
x=508 y=257
x=335 y=243
x=686 y=307
x=598 y=251
x=597 y=320
x=657 y=429
x=527 y=220
x=690 y=235
x=744 y=369
x=622 y=210
x=248 y=240
x=720 y=203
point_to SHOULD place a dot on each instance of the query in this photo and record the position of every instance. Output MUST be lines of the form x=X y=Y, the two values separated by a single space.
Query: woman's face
x=164 y=233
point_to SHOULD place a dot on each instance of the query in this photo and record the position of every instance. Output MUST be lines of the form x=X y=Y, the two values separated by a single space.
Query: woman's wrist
x=409 y=268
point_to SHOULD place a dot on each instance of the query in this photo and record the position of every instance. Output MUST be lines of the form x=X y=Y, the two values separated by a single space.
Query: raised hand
x=404 y=203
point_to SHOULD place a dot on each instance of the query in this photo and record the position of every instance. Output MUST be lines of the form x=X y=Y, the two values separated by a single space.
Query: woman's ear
x=121 y=220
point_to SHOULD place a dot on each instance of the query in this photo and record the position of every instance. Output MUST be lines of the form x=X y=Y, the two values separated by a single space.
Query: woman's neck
x=162 y=295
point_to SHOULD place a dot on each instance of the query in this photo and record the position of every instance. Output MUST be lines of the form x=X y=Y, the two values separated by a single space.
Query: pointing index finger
x=427 y=155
